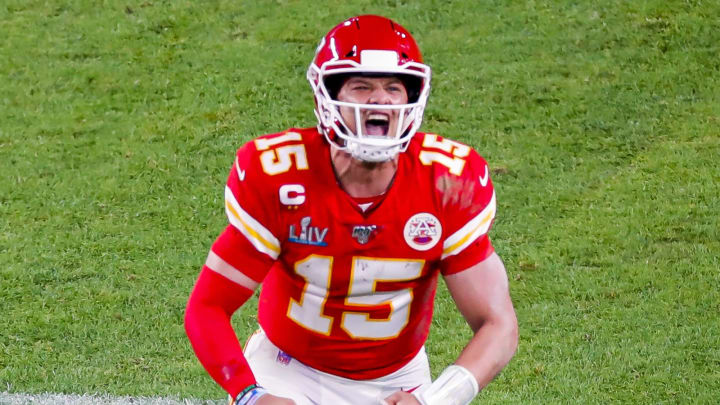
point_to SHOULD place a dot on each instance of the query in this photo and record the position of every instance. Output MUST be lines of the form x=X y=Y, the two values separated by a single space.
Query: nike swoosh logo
x=240 y=172
x=484 y=179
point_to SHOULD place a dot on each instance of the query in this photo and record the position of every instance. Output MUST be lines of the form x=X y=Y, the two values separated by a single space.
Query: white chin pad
x=370 y=154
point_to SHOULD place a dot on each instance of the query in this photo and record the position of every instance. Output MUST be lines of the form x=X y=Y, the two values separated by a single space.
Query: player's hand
x=269 y=399
x=401 y=398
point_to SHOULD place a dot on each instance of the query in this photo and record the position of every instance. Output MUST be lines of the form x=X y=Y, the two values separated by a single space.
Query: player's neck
x=362 y=179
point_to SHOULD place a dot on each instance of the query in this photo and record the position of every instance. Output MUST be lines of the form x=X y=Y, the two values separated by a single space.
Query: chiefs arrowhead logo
x=422 y=231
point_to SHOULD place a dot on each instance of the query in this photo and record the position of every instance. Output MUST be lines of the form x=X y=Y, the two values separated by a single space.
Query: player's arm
x=238 y=261
x=219 y=291
x=213 y=300
x=477 y=281
x=476 y=278
x=482 y=295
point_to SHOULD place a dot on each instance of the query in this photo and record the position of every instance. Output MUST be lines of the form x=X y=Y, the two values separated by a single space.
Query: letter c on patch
x=292 y=194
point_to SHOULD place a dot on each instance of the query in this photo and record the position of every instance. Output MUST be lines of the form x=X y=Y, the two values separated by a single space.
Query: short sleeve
x=469 y=207
x=249 y=244
x=249 y=204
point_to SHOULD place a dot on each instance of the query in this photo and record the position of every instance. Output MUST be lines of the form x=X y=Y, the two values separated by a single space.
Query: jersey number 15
x=308 y=312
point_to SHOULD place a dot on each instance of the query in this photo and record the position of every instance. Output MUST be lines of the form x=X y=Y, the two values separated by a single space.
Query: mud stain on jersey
x=456 y=191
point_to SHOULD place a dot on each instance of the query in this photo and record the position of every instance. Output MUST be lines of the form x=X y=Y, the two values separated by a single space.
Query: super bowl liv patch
x=307 y=235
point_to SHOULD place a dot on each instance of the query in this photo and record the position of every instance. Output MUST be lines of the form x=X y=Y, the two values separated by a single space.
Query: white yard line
x=70 y=399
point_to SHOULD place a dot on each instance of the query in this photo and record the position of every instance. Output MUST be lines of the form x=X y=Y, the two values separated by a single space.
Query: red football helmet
x=368 y=45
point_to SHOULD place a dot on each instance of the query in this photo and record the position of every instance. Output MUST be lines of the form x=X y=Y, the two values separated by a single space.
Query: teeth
x=378 y=117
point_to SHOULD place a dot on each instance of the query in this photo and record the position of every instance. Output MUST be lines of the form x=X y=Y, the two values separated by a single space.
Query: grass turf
x=118 y=123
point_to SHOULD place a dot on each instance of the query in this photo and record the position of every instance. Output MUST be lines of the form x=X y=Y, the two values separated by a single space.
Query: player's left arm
x=482 y=295
x=477 y=280
x=478 y=283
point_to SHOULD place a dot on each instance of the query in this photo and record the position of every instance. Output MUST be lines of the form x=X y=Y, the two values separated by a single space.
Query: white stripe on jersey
x=466 y=235
x=263 y=240
x=225 y=269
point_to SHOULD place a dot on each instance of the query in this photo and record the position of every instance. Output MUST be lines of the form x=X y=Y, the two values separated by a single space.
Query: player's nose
x=379 y=95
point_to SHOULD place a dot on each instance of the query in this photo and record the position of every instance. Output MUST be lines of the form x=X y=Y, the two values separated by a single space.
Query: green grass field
x=119 y=122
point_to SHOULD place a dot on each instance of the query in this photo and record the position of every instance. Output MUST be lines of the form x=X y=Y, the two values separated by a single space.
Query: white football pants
x=286 y=377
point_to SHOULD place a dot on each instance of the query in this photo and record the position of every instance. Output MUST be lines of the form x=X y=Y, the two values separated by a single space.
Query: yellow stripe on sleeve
x=253 y=235
x=448 y=251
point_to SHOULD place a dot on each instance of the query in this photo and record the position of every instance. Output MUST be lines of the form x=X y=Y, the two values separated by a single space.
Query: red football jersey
x=348 y=285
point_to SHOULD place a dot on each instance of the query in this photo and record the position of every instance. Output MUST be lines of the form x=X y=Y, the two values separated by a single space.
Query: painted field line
x=7 y=398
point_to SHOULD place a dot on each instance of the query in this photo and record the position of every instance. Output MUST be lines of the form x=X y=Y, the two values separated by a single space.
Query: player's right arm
x=236 y=264
x=219 y=291
x=213 y=300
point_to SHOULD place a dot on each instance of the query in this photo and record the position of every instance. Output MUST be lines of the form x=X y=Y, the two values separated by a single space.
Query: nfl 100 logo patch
x=422 y=231
x=362 y=233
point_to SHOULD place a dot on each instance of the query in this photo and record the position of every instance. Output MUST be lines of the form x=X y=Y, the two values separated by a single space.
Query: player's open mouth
x=377 y=124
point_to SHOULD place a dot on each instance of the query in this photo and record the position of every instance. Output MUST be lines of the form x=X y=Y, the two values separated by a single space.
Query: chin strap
x=455 y=386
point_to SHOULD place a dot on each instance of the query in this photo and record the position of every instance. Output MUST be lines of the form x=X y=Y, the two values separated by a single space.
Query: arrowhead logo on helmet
x=368 y=45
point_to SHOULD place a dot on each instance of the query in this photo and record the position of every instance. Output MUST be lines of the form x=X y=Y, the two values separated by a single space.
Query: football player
x=348 y=226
